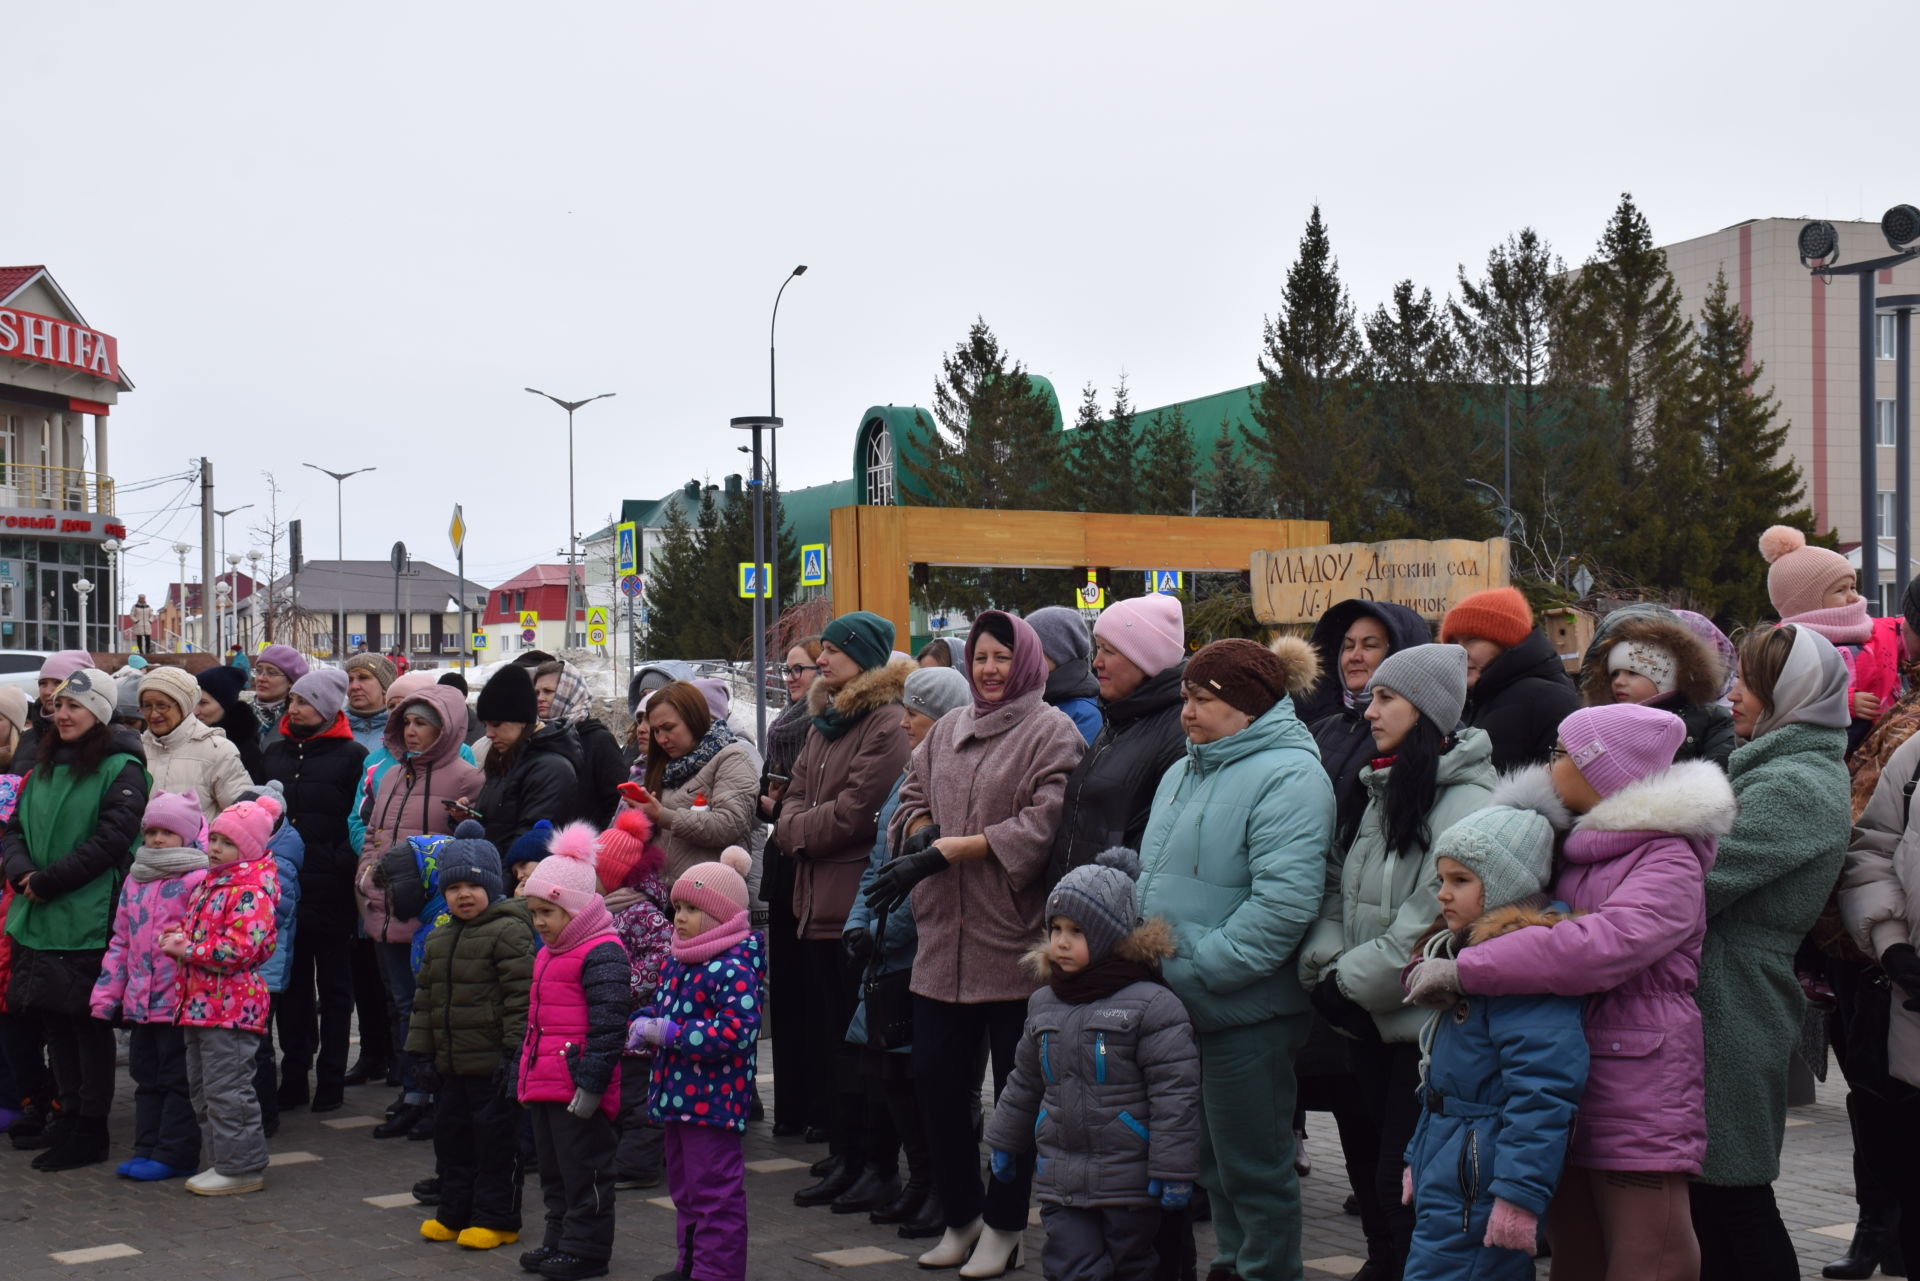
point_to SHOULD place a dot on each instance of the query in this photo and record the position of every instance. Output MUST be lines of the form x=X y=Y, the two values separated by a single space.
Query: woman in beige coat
x=702 y=782
x=183 y=753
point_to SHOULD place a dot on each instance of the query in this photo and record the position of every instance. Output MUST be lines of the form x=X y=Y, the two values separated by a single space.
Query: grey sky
x=350 y=234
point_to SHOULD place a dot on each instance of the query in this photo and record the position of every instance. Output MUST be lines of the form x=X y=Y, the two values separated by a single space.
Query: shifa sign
x=1298 y=584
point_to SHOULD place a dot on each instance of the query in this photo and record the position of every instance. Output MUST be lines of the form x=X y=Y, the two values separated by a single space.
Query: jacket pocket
x=1623 y=1042
x=1133 y=1124
x=1469 y=1177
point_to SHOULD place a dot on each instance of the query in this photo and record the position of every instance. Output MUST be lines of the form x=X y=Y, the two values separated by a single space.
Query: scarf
x=682 y=769
x=269 y=714
x=833 y=722
x=708 y=944
x=150 y=864
x=1845 y=625
x=1099 y=981
x=572 y=700
x=1356 y=703
x=584 y=925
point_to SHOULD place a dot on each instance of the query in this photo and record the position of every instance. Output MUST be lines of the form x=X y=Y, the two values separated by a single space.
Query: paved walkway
x=337 y=1206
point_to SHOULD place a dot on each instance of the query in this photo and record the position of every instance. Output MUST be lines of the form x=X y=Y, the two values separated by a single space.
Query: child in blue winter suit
x=1501 y=1075
x=704 y=1023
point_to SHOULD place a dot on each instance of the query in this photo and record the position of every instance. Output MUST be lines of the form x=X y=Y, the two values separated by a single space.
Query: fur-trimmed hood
x=1698 y=671
x=1691 y=799
x=1150 y=943
x=1518 y=916
x=870 y=690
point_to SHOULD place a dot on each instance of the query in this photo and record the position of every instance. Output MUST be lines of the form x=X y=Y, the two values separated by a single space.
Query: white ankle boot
x=953 y=1247
x=997 y=1253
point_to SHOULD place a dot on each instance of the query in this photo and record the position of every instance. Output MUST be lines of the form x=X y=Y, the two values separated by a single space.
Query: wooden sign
x=1298 y=584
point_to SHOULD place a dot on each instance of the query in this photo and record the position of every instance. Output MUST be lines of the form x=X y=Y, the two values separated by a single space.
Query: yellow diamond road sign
x=457 y=531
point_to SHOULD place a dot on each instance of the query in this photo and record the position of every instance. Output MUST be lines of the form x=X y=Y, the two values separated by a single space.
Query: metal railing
x=55 y=488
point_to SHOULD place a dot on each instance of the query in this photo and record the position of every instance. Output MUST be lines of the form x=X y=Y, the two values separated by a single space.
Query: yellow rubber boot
x=486 y=1238
x=434 y=1230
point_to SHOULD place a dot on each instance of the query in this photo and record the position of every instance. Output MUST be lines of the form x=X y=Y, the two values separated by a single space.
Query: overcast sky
x=350 y=234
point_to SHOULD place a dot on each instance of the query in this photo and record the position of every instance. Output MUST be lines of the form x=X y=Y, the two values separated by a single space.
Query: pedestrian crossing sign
x=479 y=640
x=1166 y=581
x=813 y=565
x=752 y=584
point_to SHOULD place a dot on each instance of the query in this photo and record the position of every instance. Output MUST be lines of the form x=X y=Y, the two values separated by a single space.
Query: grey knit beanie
x=1062 y=632
x=1510 y=850
x=1431 y=677
x=1099 y=899
x=935 y=691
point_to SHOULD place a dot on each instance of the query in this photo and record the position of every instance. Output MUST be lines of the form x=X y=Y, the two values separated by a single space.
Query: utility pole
x=206 y=557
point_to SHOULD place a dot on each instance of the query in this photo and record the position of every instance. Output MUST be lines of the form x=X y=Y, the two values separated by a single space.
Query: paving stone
x=94 y=1254
x=776 y=1165
x=859 y=1257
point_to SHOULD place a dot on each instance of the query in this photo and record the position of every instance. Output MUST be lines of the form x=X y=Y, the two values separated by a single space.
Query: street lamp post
x=773 y=409
x=180 y=633
x=83 y=588
x=757 y=425
x=233 y=560
x=339 y=546
x=219 y=646
x=573 y=534
x=253 y=573
x=112 y=548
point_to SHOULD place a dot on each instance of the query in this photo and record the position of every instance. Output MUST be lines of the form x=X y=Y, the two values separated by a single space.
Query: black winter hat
x=508 y=696
x=472 y=858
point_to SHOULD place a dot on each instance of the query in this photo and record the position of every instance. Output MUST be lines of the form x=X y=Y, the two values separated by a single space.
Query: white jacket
x=196 y=757
x=1881 y=879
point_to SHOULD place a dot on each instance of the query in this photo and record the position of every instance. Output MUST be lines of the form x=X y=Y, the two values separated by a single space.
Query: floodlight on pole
x=1819 y=244
x=773 y=410
x=573 y=530
x=1901 y=226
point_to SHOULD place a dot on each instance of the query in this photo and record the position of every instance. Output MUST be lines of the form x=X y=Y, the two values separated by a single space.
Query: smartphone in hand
x=634 y=792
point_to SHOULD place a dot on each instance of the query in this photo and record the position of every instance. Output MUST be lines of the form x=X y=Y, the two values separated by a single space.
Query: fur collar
x=1531 y=788
x=1150 y=943
x=1516 y=916
x=1698 y=670
x=1692 y=799
x=872 y=689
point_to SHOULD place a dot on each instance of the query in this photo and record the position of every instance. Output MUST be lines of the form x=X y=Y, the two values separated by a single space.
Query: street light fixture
x=339 y=545
x=83 y=588
x=1901 y=226
x=112 y=548
x=573 y=534
x=253 y=572
x=180 y=633
x=756 y=425
x=773 y=408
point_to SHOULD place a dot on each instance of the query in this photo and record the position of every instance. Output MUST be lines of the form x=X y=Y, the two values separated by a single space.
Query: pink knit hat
x=248 y=824
x=1149 y=631
x=566 y=876
x=718 y=889
x=59 y=666
x=407 y=685
x=1621 y=743
x=176 y=812
x=1799 y=575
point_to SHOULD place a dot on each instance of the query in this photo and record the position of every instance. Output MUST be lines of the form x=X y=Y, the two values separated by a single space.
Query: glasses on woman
x=798 y=669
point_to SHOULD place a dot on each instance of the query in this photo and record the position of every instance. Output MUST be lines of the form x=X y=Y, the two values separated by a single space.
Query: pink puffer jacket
x=136 y=978
x=577 y=1023
x=407 y=800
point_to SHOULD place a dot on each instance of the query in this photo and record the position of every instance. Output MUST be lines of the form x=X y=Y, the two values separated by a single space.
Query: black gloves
x=504 y=1077
x=426 y=1077
x=858 y=945
x=894 y=886
x=1342 y=1013
x=1902 y=965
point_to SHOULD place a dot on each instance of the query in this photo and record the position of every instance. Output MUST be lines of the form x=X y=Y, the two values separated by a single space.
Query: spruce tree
x=673 y=589
x=1230 y=487
x=1751 y=480
x=1165 y=482
x=1309 y=434
x=1087 y=451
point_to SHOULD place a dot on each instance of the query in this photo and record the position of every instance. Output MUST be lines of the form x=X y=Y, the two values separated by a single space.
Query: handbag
x=889 y=1000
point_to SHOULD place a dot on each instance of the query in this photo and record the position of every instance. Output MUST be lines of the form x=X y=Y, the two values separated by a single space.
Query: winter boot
x=1871 y=1237
x=29 y=1132
x=838 y=1178
x=84 y=1143
x=561 y=1266
x=873 y=1189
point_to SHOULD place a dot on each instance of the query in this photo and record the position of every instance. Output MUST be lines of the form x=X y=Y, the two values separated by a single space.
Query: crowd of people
x=1545 y=945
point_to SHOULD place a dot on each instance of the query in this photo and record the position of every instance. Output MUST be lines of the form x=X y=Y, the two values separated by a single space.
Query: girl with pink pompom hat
x=1816 y=588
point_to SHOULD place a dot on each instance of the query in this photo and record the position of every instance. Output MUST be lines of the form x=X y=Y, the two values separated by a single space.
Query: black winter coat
x=1520 y=700
x=1342 y=733
x=602 y=771
x=320 y=774
x=542 y=782
x=1110 y=792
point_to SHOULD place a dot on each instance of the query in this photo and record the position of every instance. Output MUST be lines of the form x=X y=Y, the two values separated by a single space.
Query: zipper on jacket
x=1046 y=1063
x=1469 y=1178
x=1100 y=1058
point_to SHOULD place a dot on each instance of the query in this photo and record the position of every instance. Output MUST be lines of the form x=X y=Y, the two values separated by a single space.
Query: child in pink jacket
x=1641 y=834
x=227 y=934
x=136 y=986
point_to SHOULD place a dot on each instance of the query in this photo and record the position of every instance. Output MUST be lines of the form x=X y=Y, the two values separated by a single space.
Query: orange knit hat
x=1500 y=614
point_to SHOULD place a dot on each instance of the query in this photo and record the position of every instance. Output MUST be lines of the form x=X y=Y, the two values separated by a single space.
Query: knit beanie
x=126 y=698
x=223 y=682
x=565 y=876
x=508 y=697
x=1431 y=677
x=532 y=844
x=1499 y=614
x=935 y=691
x=14 y=706
x=1062 y=632
x=286 y=658
x=472 y=858
x=1099 y=899
x=94 y=690
x=58 y=667
x=326 y=689
x=1149 y=631
x=174 y=683
x=1510 y=850
x=379 y=664
x=176 y=812
x=718 y=889
x=865 y=638
x=1253 y=677
x=1621 y=743
x=1798 y=575
x=623 y=847
x=719 y=697
x=408 y=685
x=424 y=709
x=248 y=824
x=136 y=660
x=272 y=790
x=1643 y=658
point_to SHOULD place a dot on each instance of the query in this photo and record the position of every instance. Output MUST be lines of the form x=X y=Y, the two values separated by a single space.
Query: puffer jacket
x=603 y=768
x=1520 y=700
x=1110 y=792
x=1003 y=776
x=1344 y=737
x=704 y=1074
x=196 y=757
x=230 y=935
x=1235 y=860
x=1635 y=866
x=1503 y=1078
x=136 y=980
x=319 y=773
x=731 y=783
x=895 y=938
x=577 y=1011
x=289 y=856
x=372 y=770
x=1698 y=675
x=1107 y=1092
x=470 y=995
x=1377 y=904
x=829 y=814
x=543 y=783
x=408 y=800
x=1879 y=887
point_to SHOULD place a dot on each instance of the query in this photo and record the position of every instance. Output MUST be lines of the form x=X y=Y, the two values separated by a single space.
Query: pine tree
x=1230 y=488
x=1165 y=481
x=673 y=589
x=1308 y=435
x=1751 y=480
x=1087 y=451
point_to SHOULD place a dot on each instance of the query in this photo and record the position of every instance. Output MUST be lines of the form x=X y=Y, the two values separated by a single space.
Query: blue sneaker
x=147 y=1170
